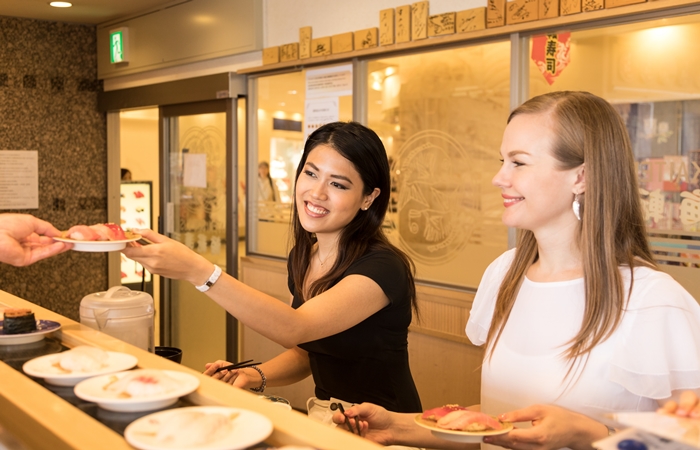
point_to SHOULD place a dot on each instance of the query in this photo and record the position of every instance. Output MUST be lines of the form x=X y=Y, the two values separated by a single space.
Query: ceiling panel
x=92 y=12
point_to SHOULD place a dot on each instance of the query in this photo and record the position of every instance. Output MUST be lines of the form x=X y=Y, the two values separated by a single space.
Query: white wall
x=281 y=22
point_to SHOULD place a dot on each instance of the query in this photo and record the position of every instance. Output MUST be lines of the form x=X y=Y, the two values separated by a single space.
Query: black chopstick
x=238 y=365
x=339 y=406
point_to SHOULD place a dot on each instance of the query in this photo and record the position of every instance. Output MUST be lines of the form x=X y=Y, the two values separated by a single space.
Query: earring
x=577 y=207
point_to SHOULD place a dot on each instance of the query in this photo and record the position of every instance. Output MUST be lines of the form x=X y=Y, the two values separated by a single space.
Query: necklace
x=324 y=261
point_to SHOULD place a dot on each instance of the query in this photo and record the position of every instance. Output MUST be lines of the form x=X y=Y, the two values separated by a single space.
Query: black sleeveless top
x=369 y=362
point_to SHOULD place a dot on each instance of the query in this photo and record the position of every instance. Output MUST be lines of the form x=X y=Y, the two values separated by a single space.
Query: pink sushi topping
x=99 y=232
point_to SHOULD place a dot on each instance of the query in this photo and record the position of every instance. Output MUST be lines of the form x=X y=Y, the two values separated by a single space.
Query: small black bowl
x=171 y=353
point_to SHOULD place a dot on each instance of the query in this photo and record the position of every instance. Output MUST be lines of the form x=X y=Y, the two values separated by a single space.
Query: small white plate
x=93 y=390
x=43 y=367
x=249 y=428
x=100 y=246
x=43 y=327
x=460 y=436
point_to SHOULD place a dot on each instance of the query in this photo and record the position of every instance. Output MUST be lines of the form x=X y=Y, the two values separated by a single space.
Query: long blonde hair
x=588 y=130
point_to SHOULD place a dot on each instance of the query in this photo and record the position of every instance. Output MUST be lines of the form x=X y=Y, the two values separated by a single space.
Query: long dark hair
x=363 y=148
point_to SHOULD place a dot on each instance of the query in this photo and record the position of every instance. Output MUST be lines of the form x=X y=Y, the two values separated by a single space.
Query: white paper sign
x=319 y=112
x=329 y=82
x=195 y=170
x=19 y=179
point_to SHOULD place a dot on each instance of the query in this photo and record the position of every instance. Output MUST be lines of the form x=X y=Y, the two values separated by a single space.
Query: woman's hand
x=687 y=406
x=375 y=422
x=238 y=378
x=552 y=427
x=170 y=258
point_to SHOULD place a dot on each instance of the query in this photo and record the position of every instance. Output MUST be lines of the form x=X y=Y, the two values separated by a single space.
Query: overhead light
x=292 y=92
x=61 y=4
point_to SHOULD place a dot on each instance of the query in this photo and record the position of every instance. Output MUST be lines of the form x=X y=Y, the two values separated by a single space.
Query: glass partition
x=649 y=72
x=441 y=116
x=279 y=137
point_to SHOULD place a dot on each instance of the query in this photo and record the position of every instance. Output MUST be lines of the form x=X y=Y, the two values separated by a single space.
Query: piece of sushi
x=97 y=232
x=82 y=358
x=18 y=321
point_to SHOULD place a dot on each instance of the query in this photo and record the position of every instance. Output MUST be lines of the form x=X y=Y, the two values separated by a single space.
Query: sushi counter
x=44 y=414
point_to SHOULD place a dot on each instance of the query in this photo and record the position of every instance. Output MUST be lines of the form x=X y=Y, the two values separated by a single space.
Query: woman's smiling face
x=537 y=194
x=329 y=192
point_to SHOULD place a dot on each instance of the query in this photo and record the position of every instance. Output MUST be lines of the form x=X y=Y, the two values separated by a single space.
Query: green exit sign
x=118 y=45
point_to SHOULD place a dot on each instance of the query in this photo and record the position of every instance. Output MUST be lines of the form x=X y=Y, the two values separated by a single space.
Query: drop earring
x=577 y=208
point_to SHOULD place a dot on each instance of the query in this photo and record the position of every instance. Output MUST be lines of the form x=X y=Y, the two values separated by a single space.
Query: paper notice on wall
x=194 y=170
x=319 y=112
x=19 y=179
x=329 y=82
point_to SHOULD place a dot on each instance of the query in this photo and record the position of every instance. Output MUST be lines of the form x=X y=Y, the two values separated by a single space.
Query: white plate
x=100 y=246
x=93 y=390
x=43 y=327
x=43 y=367
x=460 y=436
x=249 y=428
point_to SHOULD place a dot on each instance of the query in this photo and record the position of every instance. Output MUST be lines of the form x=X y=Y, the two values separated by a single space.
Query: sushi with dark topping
x=18 y=321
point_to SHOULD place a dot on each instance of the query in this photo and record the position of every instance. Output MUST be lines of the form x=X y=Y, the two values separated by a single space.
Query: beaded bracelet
x=260 y=389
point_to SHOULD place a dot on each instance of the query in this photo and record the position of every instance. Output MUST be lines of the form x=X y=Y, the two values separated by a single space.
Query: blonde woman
x=577 y=320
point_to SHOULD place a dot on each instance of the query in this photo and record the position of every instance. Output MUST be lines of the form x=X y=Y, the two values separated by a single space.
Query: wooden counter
x=41 y=419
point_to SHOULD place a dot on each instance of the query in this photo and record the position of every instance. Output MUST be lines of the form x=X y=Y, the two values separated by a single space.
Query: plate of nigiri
x=101 y=237
x=460 y=424
x=199 y=427
x=77 y=364
x=137 y=390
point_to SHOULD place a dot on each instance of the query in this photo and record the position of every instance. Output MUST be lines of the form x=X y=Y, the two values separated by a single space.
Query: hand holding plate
x=170 y=258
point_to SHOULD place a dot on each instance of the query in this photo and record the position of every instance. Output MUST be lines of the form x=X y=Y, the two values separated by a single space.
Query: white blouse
x=654 y=351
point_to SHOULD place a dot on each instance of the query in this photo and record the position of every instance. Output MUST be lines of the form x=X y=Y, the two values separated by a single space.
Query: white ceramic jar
x=122 y=313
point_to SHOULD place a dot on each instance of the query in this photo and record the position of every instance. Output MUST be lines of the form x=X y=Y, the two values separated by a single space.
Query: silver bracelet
x=260 y=389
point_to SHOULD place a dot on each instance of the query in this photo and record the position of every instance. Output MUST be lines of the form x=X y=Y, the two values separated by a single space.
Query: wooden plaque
x=495 y=13
x=386 y=26
x=305 y=42
x=592 y=5
x=321 y=46
x=441 y=24
x=616 y=3
x=547 y=9
x=403 y=24
x=471 y=20
x=519 y=11
x=341 y=43
x=289 y=52
x=366 y=38
x=419 y=21
x=271 y=55
x=567 y=7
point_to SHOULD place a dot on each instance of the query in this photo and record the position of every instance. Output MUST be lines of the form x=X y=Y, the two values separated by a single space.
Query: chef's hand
x=687 y=406
x=376 y=423
x=24 y=240
x=169 y=258
x=552 y=427
x=238 y=378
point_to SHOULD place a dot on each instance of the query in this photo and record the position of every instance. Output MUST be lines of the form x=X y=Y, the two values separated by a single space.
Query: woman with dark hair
x=267 y=189
x=577 y=320
x=353 y=292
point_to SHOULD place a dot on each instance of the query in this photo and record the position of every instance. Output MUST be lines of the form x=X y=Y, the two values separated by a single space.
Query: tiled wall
x=48 y=103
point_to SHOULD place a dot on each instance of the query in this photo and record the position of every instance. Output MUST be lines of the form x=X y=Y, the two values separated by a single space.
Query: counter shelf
x=45 y=416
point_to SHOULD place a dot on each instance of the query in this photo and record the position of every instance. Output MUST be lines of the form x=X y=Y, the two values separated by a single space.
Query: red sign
x=551 y=54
